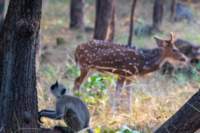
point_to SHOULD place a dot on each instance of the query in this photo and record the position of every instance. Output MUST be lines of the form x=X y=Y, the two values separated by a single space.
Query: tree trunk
x=77 y=14
x=173 y=9
x=111 y=26
x=2 y=6
x=186 y=120
x=18 y=97
x=158 y=10
x=2 y=9
x=105 y=20
x=131 y=28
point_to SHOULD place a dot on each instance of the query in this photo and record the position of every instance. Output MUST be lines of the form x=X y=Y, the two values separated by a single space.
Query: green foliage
x=192 y=73
x=60 y=41
x=98 y=82
x=95 y=88
x=49 y=72
x=72 y=71
x=198 y=66
x=104 y=130
x=195 y=39
x=123 y=129
x=95 y=81
x=126 y=129
x=195 y=72
x=181 y=78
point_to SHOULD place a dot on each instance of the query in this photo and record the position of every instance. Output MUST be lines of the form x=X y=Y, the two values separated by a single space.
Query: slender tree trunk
x=2 y=9
x=131 y=28
x=158 y=10
x=105 y=20
x=186 y=119
x=77 y=14
x=173 y=9
x=18 y=97
x=111 y=27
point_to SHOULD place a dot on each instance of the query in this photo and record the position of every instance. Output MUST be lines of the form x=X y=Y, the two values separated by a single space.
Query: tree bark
x=173 y=9
x=2 y=9
x=105 y=20
x=158 y=10
x=18 y=97
x=186 y=119
x=131 y=28
x=111 y=27
x=77 y=14
x=2 y=6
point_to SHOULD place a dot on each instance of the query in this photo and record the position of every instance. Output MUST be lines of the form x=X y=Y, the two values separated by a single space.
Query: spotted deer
x=126 y=62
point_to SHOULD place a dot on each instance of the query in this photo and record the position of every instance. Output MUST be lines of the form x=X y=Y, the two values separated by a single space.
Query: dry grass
x=155 y=97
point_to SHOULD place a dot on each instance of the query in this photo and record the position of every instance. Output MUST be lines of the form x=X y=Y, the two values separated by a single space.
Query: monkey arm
x=50 y=114
x=46 y=110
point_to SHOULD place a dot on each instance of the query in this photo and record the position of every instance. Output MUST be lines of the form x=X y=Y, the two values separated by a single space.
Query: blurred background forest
x=155 y=97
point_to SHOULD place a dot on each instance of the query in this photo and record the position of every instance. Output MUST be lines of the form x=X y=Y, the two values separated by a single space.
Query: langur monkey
x=69 y=108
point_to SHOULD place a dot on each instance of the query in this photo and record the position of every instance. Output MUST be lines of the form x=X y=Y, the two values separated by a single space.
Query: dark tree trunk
x=77 y=14
x=2 y=9
x=2 y=6
x=131 y=22
x=105 y=20
x=186 y=119
x=18 y=97
x=173 y=9
x=158 y=10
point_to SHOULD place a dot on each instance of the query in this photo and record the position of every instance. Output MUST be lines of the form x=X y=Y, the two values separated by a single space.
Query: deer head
x=170 y=52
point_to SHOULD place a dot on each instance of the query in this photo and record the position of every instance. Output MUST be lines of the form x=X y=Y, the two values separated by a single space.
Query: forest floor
x=155 y=97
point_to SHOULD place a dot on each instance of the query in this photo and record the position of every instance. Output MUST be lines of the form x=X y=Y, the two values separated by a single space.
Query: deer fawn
x=123 y=61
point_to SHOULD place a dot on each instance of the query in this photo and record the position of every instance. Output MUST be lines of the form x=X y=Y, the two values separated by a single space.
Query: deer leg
x=130 y=91
x=120 y=83
x=80 y=79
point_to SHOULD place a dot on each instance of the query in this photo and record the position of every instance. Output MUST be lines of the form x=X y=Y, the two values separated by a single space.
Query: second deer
x=125 y=62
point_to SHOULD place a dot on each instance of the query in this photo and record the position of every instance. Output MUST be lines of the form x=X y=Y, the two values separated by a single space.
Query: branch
x=131 y=23
x=186 y=119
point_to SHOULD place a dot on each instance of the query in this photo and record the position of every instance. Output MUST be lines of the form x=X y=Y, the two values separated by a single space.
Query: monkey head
x=58 y=90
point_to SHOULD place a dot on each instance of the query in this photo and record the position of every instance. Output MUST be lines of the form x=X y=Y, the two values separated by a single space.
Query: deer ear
x=159 y=41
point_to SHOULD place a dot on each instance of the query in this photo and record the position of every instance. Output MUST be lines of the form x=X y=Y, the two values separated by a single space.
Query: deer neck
x=153 y=59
